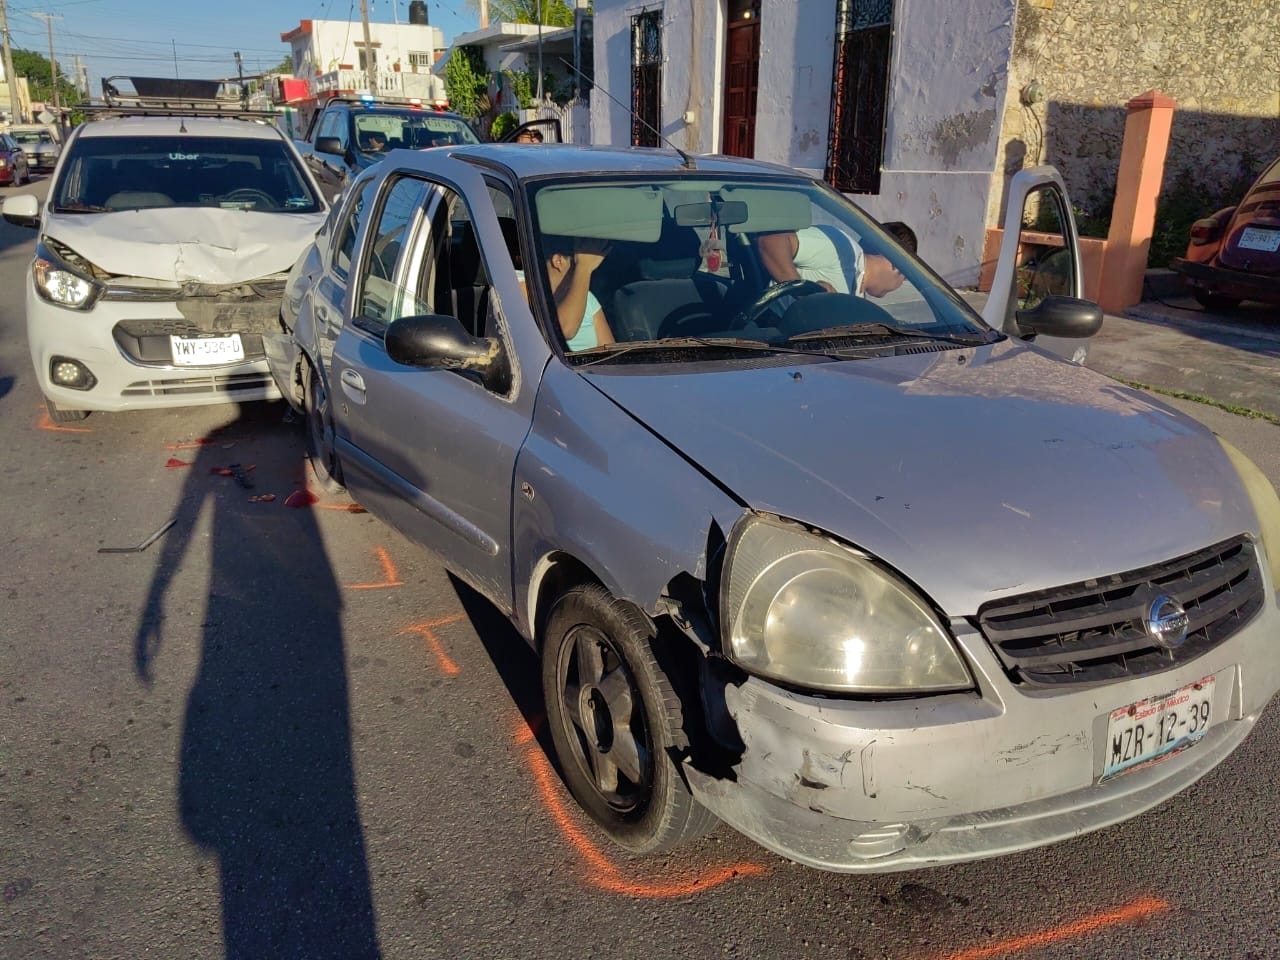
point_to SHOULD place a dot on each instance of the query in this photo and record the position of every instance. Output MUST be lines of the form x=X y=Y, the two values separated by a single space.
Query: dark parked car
x=14 y=171
x=1234 y=255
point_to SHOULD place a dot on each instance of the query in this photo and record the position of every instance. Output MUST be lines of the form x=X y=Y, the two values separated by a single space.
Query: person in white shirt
x=829 y=257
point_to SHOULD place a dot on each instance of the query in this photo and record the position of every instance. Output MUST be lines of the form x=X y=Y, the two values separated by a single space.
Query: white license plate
x=206 y=351
x=1252 y=238
x=1154 y=728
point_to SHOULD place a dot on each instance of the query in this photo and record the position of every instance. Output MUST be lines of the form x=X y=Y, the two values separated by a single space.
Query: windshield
x=382 y=130
x=103 y=174
x=680 y=267
x=32 y=137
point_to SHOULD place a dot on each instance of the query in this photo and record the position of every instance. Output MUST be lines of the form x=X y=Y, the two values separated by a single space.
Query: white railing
x=574 y=117
x=387 y=83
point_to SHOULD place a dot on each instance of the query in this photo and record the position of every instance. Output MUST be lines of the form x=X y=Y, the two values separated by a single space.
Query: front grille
x=202 y=385
x=147 y=341
x=1094 y=632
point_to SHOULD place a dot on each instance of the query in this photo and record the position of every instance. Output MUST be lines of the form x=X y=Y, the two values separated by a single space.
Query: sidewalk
x=1175 y=345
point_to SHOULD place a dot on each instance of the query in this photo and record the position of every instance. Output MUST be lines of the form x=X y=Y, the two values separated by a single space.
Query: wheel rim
x=603 y=720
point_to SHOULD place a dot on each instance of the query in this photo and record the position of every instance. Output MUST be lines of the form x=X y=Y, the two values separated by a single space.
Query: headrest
x=675 y=255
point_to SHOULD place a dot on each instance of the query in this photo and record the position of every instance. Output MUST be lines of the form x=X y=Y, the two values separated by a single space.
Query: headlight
x=58 y=284
x=807 y=611
x=1265 y=504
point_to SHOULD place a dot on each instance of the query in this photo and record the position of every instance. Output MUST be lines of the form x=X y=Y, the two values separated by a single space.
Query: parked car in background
x=161 y=257
x=876 y=583
x=349 y=134
x=15 y=170
x=1234 y=255
x=39 y=144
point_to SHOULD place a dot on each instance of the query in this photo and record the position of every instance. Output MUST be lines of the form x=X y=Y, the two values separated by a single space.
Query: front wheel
x=616 y=722
x=60 y=414
x=320 y=434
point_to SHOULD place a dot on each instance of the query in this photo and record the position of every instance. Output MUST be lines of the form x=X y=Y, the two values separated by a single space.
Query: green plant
x=503 y=124
x=466 y=81
x=522 y=87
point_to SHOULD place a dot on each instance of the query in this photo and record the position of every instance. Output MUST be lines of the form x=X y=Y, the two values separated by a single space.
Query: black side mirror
x=330 y=145
x=437 y=342
x=1057 y=316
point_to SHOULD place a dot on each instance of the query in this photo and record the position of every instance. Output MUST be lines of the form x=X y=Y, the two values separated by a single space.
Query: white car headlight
x=55 y=283
x=1265 y=504
x=805 y=610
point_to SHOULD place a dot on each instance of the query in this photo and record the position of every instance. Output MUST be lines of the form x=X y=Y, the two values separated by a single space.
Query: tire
x=58 y=415
x=616 y=737
x=320 y=445
x=1214 y=301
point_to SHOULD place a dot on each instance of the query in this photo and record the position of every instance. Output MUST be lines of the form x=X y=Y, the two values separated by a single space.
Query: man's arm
x=778 y=255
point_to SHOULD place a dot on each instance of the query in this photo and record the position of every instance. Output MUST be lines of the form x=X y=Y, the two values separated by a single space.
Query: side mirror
x=330 y=145
x=438 y=342
x=22 y=210
x=1067 y=317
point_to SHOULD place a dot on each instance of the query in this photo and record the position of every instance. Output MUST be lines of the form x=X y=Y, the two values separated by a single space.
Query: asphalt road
x=284 y=732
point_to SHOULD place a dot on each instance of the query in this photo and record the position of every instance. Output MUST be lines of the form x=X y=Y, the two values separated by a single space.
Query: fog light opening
x=72 y=374
x=884 y=840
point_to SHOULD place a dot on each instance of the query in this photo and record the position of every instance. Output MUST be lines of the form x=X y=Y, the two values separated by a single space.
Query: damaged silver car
x=803 y=542
x=163 y=250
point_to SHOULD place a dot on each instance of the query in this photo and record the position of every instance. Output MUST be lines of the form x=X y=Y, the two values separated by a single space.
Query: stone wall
x=1220 y=60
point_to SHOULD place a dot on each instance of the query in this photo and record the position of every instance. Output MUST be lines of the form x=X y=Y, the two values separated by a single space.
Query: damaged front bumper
x=861 y=786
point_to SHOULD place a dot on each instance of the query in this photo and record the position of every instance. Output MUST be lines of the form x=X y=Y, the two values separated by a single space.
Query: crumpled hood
x=979 y=473
x=205 y=244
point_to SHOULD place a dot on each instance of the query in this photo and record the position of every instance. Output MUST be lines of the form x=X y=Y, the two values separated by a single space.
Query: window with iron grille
x=864 y=40
x=646 y=78
x=420 y=58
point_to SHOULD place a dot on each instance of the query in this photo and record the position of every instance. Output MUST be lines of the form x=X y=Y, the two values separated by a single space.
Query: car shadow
x=517 y=664
x=1250 y=327
x=265 y=781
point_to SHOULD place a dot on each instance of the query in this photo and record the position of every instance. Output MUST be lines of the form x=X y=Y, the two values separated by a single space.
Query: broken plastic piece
x=173 y=463
x=301 y=498
x=262 y=498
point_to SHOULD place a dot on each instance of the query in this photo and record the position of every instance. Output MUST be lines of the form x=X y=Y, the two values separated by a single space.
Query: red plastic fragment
x=301 y=498
x=173 y=463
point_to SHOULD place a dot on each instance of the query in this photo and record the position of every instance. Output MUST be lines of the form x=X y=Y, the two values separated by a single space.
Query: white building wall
x=334 y=42
x=947 y=89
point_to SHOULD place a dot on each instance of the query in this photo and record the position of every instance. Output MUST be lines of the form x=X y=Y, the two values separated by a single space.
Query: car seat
x=671 y=298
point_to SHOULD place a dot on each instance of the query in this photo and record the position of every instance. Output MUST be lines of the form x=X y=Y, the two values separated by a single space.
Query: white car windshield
x=381 y=130
x=104 y=174
x=787 y=264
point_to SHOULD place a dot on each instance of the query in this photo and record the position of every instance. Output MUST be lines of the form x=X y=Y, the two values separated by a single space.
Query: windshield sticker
x=439 y=125
x=184 y=156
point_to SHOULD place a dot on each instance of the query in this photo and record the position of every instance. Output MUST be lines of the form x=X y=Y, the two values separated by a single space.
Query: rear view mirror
x=722 y=212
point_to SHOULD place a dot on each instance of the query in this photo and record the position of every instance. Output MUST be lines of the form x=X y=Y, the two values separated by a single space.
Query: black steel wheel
x=616 y=722
x=1214 y=301
x=321 y=449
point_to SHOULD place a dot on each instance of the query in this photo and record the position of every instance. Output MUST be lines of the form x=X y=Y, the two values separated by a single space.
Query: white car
x=164 y=246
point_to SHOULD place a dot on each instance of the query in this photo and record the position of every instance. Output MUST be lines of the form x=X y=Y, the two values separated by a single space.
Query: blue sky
x=138 y=36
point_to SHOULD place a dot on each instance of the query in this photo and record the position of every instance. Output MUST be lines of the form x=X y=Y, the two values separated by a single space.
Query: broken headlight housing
x=56 y=282
x=807 y=611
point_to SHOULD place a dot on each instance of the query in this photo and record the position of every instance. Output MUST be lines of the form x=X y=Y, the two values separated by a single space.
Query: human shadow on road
x=266 y=780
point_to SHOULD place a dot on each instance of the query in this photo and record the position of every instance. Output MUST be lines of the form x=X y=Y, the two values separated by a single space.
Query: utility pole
x=244 y=94
x=539 y=54
x=48 y=19
x=15 y=105
x=369 y=72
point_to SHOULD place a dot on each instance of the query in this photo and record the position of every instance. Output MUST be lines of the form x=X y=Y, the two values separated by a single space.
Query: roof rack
x=168 y=97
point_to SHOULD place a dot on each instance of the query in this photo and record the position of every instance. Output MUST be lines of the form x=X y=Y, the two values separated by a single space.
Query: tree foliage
x=33 y=66
x=466 y=81
x=555 y=13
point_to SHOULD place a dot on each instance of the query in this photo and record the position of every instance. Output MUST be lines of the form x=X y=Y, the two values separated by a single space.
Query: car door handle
x=353 y=385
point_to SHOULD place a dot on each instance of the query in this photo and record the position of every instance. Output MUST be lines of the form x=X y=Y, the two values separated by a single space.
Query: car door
x=433 y=451
x=330 y=169
x=1039 y=256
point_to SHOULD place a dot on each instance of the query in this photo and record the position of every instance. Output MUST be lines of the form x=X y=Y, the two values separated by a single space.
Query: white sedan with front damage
x=164 y=246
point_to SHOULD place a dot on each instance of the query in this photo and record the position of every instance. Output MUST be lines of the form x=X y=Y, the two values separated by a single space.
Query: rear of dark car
x=1235 y=255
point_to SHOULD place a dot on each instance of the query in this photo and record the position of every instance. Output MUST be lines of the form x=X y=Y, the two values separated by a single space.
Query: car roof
x=180 y=126
x=527 y=161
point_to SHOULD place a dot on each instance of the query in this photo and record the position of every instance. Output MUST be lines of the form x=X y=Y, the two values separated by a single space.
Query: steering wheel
x=788 y=288
x=244 y=194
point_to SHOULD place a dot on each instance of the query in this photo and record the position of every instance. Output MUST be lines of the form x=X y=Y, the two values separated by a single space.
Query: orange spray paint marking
x=427 y=630
x=1141 y=909
x=46 y=423
x=601 y=871
x=390 y=578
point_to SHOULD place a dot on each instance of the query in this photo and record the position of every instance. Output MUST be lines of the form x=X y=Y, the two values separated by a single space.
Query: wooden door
x=741 y=77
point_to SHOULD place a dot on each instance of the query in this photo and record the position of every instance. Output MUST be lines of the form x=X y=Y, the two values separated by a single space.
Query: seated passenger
x=570 y=264
x=828 y=257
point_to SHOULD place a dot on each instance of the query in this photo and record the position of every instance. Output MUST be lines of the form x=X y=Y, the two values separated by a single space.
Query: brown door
x=741 y=76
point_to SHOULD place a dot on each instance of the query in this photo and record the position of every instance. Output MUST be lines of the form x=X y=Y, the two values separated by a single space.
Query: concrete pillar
x=1133 y=216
